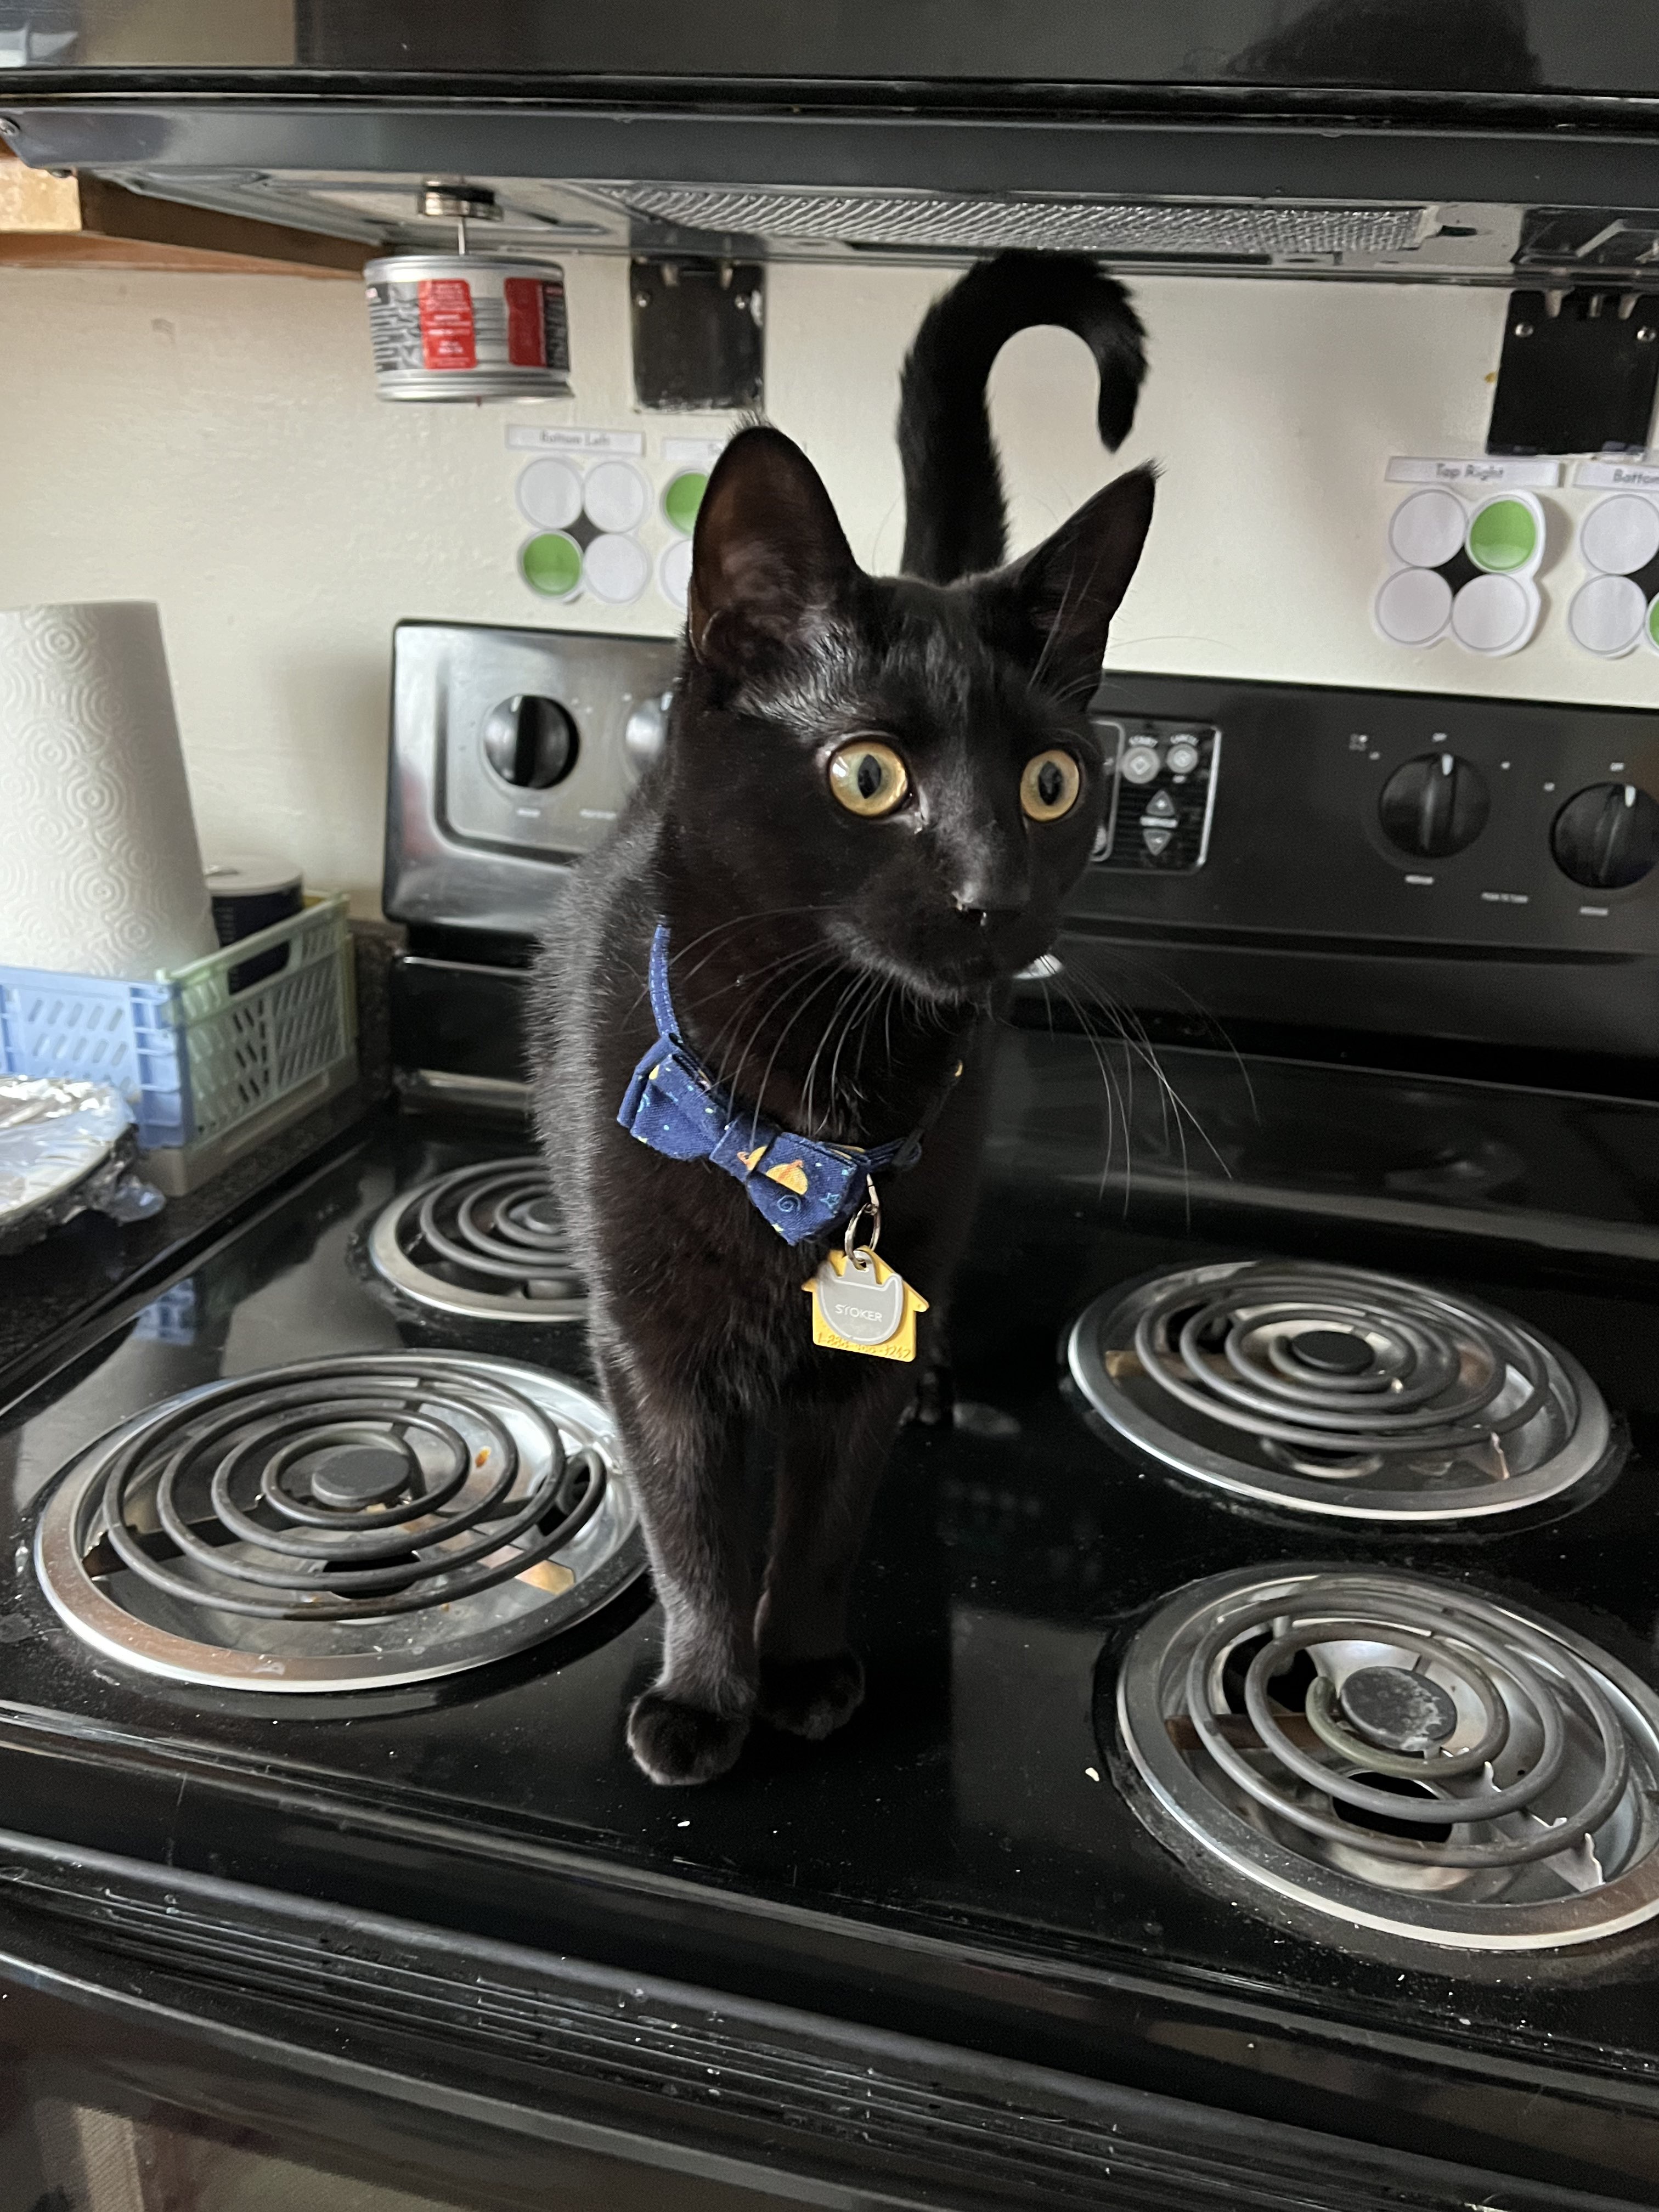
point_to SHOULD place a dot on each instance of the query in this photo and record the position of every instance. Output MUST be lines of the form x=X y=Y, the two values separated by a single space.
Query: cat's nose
x=987 y=901
x=987 y=883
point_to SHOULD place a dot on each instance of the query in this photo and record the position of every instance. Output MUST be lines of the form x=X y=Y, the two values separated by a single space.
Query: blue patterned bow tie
x=674 y=1105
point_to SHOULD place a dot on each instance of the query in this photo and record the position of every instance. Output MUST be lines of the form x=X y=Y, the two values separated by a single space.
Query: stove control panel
x=513 y=751
x=1382 y=815
x=1476 y=869
x=1163 y=786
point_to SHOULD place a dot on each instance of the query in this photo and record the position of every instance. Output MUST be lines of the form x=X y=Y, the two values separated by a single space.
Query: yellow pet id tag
x=859 y=1303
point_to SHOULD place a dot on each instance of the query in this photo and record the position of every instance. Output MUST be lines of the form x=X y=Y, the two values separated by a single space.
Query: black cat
x=875 y=795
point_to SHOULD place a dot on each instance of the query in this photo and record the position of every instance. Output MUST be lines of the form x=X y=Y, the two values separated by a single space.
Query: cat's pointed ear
x=771 y=564
x=1054 y=606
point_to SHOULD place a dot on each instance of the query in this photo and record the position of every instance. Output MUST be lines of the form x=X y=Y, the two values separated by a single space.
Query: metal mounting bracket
x=696 y=332
x=1577 y=373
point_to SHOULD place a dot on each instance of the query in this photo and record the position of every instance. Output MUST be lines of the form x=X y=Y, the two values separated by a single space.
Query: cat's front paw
x=811 y=1697
x=675 y=1743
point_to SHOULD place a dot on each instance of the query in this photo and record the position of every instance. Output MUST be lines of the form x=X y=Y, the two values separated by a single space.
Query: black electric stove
x=1300 y=1492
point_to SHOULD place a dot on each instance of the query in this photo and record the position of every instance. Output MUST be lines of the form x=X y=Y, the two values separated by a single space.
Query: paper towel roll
x=101 y=873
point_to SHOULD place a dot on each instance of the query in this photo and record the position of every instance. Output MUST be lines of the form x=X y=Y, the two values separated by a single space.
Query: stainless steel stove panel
x=468 y=848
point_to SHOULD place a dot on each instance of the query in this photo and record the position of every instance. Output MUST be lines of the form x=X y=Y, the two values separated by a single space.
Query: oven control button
x=1606 y=836
x=1182 y=757
x=530 y=742
x=1435 y=804
x=1140 y=763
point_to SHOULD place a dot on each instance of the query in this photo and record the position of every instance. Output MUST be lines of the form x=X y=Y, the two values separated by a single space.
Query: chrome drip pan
x=1336 y=1391
x=487 y=1241
x=1397 y=1754
x=342 y=1523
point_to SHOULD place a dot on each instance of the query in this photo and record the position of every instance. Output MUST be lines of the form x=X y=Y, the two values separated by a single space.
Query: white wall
x=214 y=443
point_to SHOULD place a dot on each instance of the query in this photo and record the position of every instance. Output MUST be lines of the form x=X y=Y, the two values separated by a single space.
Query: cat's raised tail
x=954 y=519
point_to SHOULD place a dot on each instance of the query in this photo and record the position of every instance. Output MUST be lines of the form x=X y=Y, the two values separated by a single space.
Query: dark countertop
x=93 y=1263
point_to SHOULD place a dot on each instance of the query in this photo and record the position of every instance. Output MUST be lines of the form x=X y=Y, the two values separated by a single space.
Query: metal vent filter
x=1395 y=1755
x=1172 y=228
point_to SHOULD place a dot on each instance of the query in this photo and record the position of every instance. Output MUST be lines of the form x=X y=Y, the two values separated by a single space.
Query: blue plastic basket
x=191 y=1056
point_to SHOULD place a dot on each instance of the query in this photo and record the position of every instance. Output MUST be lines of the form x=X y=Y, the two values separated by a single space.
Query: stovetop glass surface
x=1012 y=1554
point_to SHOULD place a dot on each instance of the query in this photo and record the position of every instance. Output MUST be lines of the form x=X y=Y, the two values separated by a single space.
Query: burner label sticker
x=570 y=438
x=692 y=452
x=1536 y=475
x=1616 y=476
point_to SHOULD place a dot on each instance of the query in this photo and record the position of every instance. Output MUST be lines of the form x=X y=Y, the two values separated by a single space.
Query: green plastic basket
x=248 y=1048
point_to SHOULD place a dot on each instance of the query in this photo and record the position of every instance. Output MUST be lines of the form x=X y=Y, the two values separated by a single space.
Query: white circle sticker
x=1605 y=616
x=674 y=573
x=550 y=495
x=1412 y=607
x=1427 y=528
x=1619 y=535
x=1494 y=614
x=616 y=496
x=617 y=569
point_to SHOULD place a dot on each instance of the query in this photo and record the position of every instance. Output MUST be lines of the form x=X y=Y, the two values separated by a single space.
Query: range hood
x=1466 y=141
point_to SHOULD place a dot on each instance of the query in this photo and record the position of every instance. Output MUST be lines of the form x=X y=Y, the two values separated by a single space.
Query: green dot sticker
x=552 y=564
x=683 y=497
x=1653 y=624
x=1505 y=536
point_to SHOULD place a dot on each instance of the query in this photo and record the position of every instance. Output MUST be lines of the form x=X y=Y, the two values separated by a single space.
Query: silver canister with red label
x=467 y=326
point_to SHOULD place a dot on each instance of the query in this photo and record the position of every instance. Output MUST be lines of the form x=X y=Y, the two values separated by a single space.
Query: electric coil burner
x=341 y=1524
x=487 y=1241
x=1400 y=1756
x=1331 y=1390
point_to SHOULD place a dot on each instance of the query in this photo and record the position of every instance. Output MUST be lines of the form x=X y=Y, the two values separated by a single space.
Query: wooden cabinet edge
x=65 y=222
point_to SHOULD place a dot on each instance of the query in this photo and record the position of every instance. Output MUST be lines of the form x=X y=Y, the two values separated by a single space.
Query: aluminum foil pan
x=65 y=1146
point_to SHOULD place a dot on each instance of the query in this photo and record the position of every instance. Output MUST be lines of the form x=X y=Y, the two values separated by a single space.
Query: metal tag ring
x=872 y=1205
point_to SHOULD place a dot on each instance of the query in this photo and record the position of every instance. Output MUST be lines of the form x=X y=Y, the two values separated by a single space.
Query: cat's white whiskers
x=772 y=972
x=775 y=1007
x=852 y=986
x=823 y=984
x=1115 y=1108
x=861 y=1007
x=1131 y=1034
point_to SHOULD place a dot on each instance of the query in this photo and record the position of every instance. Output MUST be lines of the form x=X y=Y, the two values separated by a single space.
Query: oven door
x=172 y=2042
x=105 y=2107
x=86 y=2135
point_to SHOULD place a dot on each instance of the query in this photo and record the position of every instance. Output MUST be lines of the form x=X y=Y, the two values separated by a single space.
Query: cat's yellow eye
x=868 y=778
x=1050 y=785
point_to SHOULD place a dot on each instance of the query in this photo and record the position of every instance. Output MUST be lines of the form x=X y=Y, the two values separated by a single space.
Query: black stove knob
x=530 y=741
x=1606 y=836
x=1436 y=804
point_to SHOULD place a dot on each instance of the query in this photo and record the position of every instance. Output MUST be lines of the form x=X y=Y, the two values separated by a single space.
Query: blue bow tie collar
x=673 y=1104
